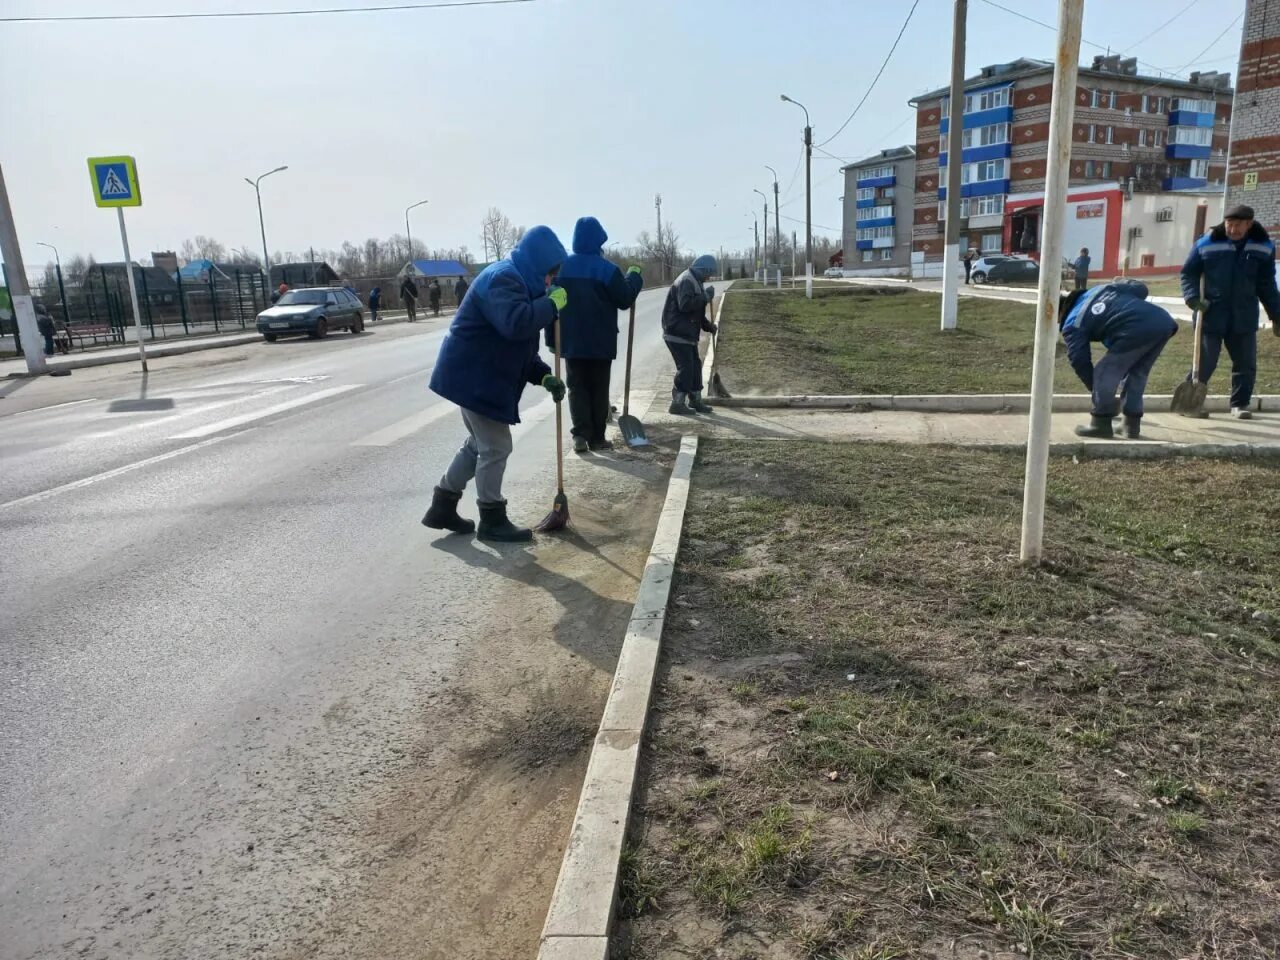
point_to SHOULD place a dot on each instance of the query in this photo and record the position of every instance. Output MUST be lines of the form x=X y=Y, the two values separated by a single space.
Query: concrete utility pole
x=955 y=165
x=755 y=230
x=662 y=253
x=765 y=243
x=777 y=230
x=262 y=224
x=808 y=197
x=409 y=237
x=24 y=310
x=1062 y=113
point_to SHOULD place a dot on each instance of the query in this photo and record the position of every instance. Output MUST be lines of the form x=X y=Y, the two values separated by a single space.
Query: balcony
x=1184 y=183
x=866 y=204
x=1187 y=151
x=994 y=151
x=983 y=188
x=877 y=182
x=878 y=222
x=1184 y=118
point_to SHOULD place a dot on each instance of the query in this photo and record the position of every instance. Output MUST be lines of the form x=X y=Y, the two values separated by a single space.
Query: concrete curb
x=970 y=403
x=1141 y=449
x=581 y=911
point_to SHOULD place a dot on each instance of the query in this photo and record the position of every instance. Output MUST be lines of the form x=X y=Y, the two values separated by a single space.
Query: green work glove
x=1198 y=304
x=558 y=296
x=633 y=269
x=554 y=385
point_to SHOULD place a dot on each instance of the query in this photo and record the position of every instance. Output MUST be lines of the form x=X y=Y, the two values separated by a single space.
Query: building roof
x=1000 y=73
x=893 y=153
x=200 y=269
x=156 y=279
x=437 y=268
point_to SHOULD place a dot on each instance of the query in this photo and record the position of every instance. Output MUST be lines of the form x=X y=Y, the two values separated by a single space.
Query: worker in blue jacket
x=489 y=353
x=684 y=318
x=1134 y=332
x=597 y=290
x=1236 y=261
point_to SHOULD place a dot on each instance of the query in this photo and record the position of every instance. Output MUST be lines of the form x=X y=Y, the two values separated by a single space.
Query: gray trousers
x=1125 y=371
x=483 y=456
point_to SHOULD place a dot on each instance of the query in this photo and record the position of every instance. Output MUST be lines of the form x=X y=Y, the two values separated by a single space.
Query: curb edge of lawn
x=580 y=915
x=968 y=402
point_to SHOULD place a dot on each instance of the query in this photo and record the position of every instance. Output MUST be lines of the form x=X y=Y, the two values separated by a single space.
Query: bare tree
x=203 y=248
x=500 y=234
x=662 y=255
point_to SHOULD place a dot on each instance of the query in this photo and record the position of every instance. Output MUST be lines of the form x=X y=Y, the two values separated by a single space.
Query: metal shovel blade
x=632 y=431
x=1188 y=397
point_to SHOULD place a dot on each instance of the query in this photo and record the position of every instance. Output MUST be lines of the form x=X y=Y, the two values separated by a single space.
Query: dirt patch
x=898 y=742
x=548 y=731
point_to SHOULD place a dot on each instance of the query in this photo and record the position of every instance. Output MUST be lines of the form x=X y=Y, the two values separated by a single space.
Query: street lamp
x=808 y=190
x=777 y=230
x=765 y=244
x=62 y=291
x=407 y=235
x=266 y=260
x=56 y=258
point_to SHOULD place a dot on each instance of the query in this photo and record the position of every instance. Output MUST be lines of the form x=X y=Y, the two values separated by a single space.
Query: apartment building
x=879 y=208
x=1132 y=136
x=1255 y=133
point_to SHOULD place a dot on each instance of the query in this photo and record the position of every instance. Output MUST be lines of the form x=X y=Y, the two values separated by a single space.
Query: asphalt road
x=251 y=706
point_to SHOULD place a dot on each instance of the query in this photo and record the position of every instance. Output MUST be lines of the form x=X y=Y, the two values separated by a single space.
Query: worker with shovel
x=597 y=290
x=488 y=355
x=684 y=317
x=1134 y=332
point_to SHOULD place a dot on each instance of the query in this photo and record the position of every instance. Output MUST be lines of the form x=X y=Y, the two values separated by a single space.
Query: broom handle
x=626 y=390
x=1195 y=348
x=559 y=419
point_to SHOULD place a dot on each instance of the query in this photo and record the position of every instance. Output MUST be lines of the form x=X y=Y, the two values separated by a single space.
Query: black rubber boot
x=695 y=401
x=495 y=526
x=443 y=513
x=1132 y=426
x=678 y=404
x=1099 y=428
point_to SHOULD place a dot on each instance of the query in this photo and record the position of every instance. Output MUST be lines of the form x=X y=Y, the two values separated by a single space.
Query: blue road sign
x=115 y=182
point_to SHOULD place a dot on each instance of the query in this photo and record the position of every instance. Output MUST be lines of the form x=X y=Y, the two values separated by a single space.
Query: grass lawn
x=876 y=735
x=886 y=340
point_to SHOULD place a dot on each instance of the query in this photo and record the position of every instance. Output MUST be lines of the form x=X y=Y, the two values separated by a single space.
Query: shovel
x=1188 y=396
x=558 y=518
x=631 y=427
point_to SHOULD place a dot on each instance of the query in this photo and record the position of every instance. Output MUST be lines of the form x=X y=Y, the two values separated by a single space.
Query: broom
x=558 y=518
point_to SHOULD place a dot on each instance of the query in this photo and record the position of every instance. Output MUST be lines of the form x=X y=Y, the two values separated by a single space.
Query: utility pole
x=262 y=224
x=808 y=197
x=662 y=252
x=24 y=310
x=1061 y=115
x=955 y=165
x=755 y=229
x=765 y=244
x=409 y=237
x=777 y=230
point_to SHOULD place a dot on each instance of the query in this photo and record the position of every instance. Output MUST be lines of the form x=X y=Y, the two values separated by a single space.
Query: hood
x=1257 y=233
x=535 y=255
x=588 y=236
x=291 y=310
x=704 y=266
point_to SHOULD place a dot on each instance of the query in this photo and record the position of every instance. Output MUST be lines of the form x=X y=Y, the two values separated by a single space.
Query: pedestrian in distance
x=279 y=292
x=409 y=296
x=488 y=355
x=1081 y=267
x=44 y=323
x=375 y=303
x=968 y=265
x=459 y=290
x=684 y=317
x=433 y=295
x=61 y=336
x=1133 y=330
x=597 y=290
x=1235 y=265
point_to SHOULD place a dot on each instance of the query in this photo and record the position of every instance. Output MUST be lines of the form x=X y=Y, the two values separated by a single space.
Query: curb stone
x=581 y=911
x=971 y=402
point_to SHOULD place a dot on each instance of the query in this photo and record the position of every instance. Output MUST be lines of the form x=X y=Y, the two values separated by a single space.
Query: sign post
x=115 y=184
x=24 y=311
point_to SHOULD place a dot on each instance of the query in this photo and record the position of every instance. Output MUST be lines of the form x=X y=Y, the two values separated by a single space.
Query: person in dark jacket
x=44 y=323
x=1227 y=273
x=433 y=295
x=280 y=291
x=1081 y=267
x=489 y=353
x=684 y=317
x=1134 y=332
x=968 y=265
x=589 y=330
x=375 y=303
x=459 y=290
x=409 y=295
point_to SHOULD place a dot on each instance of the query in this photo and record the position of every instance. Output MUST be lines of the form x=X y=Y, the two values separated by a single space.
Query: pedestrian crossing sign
x=115 y=181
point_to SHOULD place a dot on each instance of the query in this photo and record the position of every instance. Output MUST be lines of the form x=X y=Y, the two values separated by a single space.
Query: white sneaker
x=1242 y=413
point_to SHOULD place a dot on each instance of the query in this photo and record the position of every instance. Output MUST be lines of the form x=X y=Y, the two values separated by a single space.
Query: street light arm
x=801 y=106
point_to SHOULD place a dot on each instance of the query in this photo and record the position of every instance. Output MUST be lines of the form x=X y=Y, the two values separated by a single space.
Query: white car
x=982 y=266
x=833 y=272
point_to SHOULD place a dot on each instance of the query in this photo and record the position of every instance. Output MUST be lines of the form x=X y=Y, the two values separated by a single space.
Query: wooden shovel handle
x=631 y=335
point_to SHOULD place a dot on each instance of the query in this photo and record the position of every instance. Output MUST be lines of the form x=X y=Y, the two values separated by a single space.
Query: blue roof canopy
x=439 y=268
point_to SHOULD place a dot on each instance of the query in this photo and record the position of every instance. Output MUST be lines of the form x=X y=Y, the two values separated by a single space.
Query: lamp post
x=764 y=244
x=266 y=260
x=808 y=197
x=777 y=230
x=407 y=235
x=62 y=291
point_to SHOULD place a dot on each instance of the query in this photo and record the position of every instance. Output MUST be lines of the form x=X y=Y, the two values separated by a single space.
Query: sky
x=549 y=110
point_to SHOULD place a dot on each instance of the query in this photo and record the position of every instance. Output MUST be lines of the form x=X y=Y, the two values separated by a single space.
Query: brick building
x=1133 y=137
x=1255 y=134
x=879 y=207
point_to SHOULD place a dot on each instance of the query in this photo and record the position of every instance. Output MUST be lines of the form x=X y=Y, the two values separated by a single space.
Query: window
x=875 y=173
x=985 y=136
x=1142 y=136
x=1159 y=137
x=1144 y=104
x=1160 y=104
x=875 y=233
x=1096 y=100
x=1193 y=106
x=990 y=243
x=1199 y=169
x=874 y=213
x=1111 y=134
x=1093 y=134
x=1088 y=169
x=886 y=193
x=982 y=206
x=886 y=254
x=1106 y=170
x=1196 y=136
x=986 y=100
x=982 y=171
x=1112 y=103
x=866 y=193
x=868 y=256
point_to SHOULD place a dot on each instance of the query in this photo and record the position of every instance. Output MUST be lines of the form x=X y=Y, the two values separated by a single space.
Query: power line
x=1211 y=45
x=226 y=14
x=1165 y=24
x=876 y=79
x=821 y=226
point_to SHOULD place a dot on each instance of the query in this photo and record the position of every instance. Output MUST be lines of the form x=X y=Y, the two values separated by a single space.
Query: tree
x=203 y=248
x=500 y=234
x=661 y=255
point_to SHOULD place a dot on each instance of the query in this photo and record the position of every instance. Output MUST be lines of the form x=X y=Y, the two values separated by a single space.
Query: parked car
x=982 y=266
x=833 y=272
x=1014 y=270
x=313 y=311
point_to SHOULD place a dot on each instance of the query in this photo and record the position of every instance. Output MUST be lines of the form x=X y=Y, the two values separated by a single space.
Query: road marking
x=52 y=406
x=424 y=373
x=532 y=417
x=166 y=419
x=408 y=426
x=220 y=425
x=118 y=471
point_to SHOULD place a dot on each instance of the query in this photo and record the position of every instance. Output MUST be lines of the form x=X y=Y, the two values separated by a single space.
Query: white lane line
x=164 y=419
x=219 y=425
x=533 y=416
x=52 y=406
x=118 y=471
x=424 y=373
x=408 y=426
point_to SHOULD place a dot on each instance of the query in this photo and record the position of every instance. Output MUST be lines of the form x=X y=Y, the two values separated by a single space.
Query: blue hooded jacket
x=1119 y=316
x=597 y=291
x=491 y=349
x=1236 y=277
